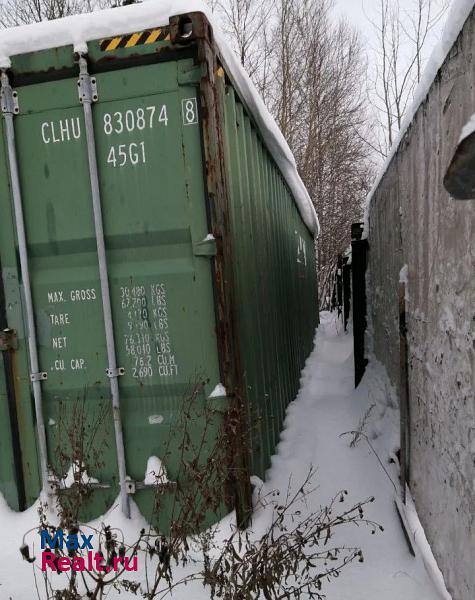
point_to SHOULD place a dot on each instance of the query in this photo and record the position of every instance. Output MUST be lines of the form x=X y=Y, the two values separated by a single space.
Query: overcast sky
x=353 y=10
x=356 y=11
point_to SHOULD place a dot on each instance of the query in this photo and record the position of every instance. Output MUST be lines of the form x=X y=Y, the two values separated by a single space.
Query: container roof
x=79 y=29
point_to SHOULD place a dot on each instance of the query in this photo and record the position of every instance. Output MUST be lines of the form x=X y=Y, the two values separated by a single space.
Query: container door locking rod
x=87 y=96
x=9 y=102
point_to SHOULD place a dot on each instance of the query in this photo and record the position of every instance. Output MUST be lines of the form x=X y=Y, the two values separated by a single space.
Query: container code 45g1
x=131 y=121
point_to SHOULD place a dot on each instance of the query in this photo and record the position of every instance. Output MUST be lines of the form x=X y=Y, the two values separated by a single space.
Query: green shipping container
x=156 y=271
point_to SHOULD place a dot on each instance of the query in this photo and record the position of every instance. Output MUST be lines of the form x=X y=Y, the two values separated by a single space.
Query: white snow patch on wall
x=447 y=322
x=423 y=547
x=155 y=419
x=404 y=278
x=155 y=473
x=70 y=478
x=404 y=274
x=218 y=392
x=467 y=129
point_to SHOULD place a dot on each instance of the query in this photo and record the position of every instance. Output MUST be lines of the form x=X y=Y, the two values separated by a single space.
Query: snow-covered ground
x=326 y=407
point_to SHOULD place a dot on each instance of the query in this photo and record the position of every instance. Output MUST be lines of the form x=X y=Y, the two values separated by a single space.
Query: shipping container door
x=159 y=258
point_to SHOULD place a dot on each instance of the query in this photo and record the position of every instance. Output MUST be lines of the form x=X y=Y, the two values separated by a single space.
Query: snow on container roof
x=458 y=14
x=77 y=30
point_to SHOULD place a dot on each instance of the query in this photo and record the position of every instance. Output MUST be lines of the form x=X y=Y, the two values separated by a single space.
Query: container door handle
x=9 y=103
x=87 y=96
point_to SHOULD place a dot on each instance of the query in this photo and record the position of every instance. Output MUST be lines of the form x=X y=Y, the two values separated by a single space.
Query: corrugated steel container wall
x=178 y=157
x=275 y=279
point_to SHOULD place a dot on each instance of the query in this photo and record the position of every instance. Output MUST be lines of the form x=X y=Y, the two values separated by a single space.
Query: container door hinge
x=9 y=98
x=8 y=340
x=87 y=88
x=206 y=247
x=42 y=376
x=118 y=372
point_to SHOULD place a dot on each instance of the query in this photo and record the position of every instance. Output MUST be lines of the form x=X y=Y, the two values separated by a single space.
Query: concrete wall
x=414 y=221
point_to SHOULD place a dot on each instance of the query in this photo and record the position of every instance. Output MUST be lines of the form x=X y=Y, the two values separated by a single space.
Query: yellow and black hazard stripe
x=141 y=38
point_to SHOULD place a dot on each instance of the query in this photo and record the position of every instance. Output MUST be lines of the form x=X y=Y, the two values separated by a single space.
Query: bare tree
x=402 y=37
x=319 y=102
x=246 y=24
x=213 y=4
x=310 y=71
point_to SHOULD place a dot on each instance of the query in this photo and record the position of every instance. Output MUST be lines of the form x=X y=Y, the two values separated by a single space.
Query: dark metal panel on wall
x=359 y=249
x=346 y=291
